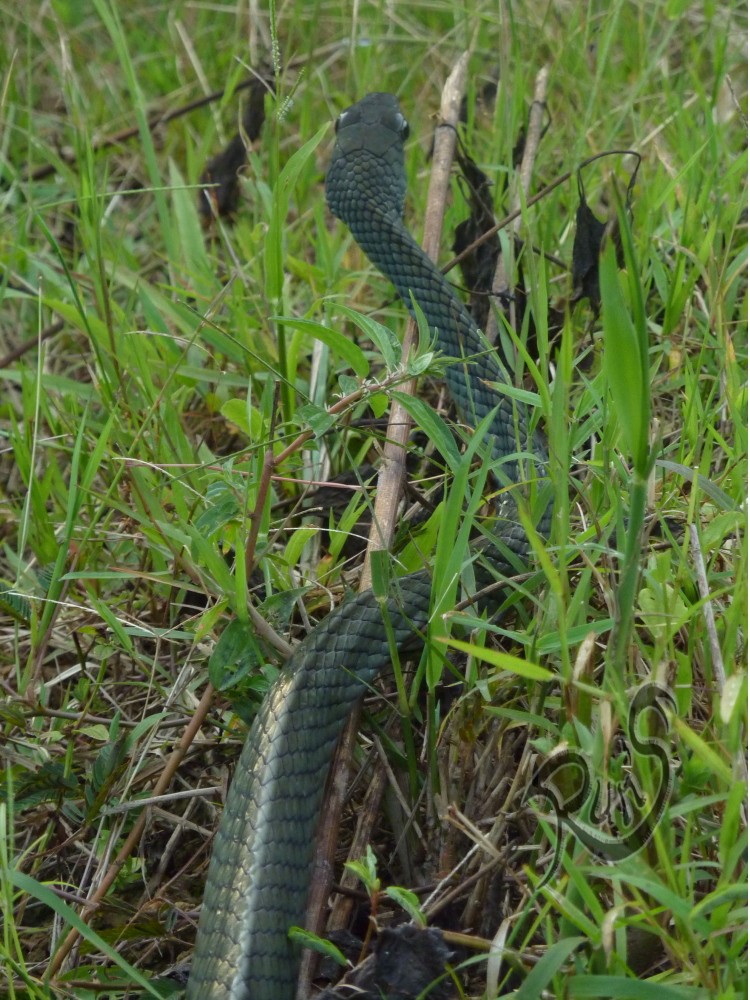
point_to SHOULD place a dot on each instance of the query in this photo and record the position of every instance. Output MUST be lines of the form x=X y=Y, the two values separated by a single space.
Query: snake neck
x=475 y=378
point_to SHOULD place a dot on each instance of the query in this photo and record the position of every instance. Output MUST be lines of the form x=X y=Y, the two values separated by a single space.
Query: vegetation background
x=140 y=356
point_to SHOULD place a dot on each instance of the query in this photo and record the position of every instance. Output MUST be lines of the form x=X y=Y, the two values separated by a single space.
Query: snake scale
x=260 y=867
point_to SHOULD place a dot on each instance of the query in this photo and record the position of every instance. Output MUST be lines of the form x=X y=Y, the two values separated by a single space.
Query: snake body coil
x=259 y=872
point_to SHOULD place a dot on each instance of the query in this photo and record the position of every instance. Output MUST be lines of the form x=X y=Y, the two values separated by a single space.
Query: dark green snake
x=259 y=873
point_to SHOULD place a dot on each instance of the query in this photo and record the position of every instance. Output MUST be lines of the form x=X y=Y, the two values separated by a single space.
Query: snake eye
x=339 y=121
x=403 y=129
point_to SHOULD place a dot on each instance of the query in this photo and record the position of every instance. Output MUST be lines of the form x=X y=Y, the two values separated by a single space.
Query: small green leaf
x=317 y=418
x=339 y=344
x=306 y=939
x=233 y=655
x=378 y=403
x=407 y=901
x=418 y=366
x=663 y=610
x=348 y=384
x=385 y=340
x=279 y=606
x=95 y=732
x=207 y=621
x=366 y=871
x=213 y=520
x=246 y=417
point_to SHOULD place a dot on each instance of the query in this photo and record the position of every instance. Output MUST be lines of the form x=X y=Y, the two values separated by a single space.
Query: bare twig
x=29 y=345
x=505 y=270
x=393 y=469
x=157 y=800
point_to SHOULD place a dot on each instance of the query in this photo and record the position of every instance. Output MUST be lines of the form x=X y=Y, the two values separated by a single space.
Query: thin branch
x=391 y=478
x=30 y=344
x=505 y=269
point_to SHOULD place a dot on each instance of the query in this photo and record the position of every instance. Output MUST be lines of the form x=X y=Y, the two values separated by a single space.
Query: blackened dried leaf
x=222 y=199
x=588 y=240
x=478 y=268
x=406 y=961
x=590 y=234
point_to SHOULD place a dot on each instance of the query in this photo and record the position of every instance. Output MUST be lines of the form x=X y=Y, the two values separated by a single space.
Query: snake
x=259 y=871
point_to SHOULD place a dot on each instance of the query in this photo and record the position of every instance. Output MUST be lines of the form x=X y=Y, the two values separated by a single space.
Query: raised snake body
x=259 y=872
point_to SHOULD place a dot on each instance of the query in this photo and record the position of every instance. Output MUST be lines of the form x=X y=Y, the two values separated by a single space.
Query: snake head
x=367 y=166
